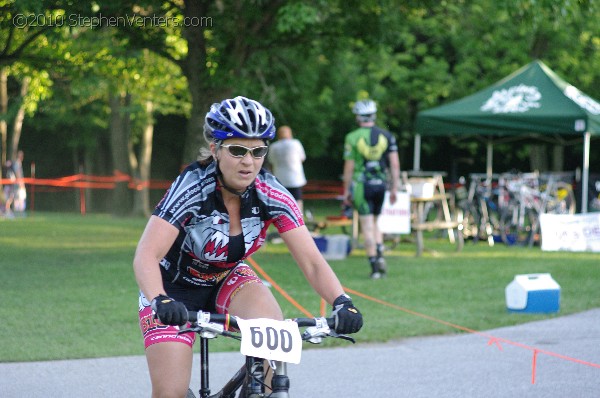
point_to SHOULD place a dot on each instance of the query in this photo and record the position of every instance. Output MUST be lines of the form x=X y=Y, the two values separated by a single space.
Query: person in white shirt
x=286 y=157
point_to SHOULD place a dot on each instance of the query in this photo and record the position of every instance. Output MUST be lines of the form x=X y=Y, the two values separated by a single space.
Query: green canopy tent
x=531 y=102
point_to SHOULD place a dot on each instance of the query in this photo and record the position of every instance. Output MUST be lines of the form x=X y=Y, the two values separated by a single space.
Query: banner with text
x=570 y=232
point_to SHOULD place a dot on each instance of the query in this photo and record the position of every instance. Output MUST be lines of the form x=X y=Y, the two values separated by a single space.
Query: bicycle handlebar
x=232 y=320
x=211 y=325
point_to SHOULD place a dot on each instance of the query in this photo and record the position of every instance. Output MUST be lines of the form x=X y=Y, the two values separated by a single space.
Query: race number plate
x=271 y=339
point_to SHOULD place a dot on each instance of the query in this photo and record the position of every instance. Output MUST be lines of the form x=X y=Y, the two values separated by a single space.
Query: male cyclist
x=369 y=152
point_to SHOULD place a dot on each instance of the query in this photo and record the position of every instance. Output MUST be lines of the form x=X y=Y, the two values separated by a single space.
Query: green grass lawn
x=68 y=289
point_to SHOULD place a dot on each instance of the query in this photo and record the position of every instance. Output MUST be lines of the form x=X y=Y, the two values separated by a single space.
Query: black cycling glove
x=348 y=318
x=169 y=311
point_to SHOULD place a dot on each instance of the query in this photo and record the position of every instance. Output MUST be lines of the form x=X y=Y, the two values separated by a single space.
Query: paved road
x=441 y=367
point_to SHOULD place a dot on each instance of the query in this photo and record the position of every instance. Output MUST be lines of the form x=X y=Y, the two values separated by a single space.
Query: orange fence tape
x=491 y=339
x=85 y=181
x=91 y=182
x=312 y=190
x=316 y=190
x=278 y=288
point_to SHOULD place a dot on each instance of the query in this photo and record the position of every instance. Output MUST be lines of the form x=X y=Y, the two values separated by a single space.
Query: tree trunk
x=141 y=201
x=4 y=111
x=194 y=69
x=3 y=124
x=19 y=118
x=558 y=158
x=537 y=157
x=119 y=138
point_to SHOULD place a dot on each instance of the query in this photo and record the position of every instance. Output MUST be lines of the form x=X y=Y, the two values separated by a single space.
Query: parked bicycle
x=481 y=208
x=263 y=341
x=530 y=196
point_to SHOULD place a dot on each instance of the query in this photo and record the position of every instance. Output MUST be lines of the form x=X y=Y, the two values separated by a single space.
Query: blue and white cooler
x=334 y=247
x=533 y=293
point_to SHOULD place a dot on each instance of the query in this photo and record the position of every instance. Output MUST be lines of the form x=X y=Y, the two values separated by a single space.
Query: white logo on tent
x=516 y=99
x=583 y=100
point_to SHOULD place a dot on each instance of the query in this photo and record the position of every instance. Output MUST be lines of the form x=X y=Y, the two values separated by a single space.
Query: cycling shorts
x=209 y=299
x=367 y=197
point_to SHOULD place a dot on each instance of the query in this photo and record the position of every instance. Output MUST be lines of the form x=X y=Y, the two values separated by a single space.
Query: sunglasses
x=239 y=151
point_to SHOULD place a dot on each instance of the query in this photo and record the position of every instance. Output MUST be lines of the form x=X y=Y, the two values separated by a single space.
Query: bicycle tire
x=470 y=221
x=512 y=231
x=490 y=219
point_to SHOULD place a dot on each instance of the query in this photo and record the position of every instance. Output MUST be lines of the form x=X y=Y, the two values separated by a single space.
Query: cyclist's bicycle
x=268 y=341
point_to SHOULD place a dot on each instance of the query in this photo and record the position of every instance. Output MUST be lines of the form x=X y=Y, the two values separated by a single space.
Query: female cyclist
x=216 y=214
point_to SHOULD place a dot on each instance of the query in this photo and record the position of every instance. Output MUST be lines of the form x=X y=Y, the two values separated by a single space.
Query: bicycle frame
x=230 y=388
x=250 y=378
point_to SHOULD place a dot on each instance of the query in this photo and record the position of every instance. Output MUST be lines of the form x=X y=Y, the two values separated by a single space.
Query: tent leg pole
x=490 y=156
x=586 y=172
x=417 y=153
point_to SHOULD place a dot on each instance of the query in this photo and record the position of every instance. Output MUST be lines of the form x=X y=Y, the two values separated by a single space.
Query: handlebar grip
x=192 y=316
x=215 y=318
x=313 y=322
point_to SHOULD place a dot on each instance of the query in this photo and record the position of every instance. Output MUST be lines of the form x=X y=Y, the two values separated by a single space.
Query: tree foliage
x=307 y=61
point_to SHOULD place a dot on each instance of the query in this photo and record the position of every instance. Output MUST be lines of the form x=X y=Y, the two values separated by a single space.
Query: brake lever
x=209 y=332
x=342 y=336
x=204 y=329
x=190 y=329
x=232 y=335
x=315 y=335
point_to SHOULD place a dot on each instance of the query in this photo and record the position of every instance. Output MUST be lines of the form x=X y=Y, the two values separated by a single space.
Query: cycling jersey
x=369 y=148
x=194 y=204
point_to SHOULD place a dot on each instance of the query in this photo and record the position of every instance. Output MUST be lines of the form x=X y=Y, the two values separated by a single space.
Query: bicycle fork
x=280 y=382
x=255 y=384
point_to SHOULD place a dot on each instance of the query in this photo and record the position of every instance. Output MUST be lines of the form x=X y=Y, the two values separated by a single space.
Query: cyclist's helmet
x=365 y=110
x=239 y=117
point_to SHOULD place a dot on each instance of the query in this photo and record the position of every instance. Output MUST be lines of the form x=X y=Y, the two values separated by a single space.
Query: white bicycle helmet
x=364 y=108
x=239 y=117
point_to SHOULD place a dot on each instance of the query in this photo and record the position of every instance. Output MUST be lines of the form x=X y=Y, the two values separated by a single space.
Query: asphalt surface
x=565 y=350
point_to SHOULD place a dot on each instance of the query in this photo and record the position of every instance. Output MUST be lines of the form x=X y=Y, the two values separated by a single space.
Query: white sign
x=271 y=339
x=395 y=218
x=571 y=232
